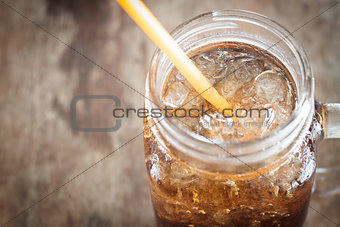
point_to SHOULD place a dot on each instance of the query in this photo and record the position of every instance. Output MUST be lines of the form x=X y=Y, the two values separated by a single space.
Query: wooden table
x=52 y=51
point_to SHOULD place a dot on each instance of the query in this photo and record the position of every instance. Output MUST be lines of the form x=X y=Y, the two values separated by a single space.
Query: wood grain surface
x=52 y=51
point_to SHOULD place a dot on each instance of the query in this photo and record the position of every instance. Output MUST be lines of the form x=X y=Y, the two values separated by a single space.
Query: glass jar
x=262 y=182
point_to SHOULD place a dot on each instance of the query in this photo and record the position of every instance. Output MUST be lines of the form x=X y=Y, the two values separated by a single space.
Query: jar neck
x=196 y=150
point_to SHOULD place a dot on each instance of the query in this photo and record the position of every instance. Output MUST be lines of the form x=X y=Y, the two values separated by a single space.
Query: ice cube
x=271 y=85
x=245 y=68
x=213 y=64
x=175 y=94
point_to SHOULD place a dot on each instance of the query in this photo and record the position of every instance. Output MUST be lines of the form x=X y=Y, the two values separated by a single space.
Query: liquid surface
x=259 y=89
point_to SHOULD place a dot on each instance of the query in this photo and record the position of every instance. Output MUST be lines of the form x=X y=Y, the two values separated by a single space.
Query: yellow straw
x=138 y=11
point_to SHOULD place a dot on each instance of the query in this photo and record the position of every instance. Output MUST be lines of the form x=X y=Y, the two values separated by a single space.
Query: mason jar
x=266 y=181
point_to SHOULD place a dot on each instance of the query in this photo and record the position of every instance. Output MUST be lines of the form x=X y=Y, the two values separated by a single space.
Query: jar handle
x=327 y=180
x=331 y=117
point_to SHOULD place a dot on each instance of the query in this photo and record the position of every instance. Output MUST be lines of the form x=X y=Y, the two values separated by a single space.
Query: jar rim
x=268 y=140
